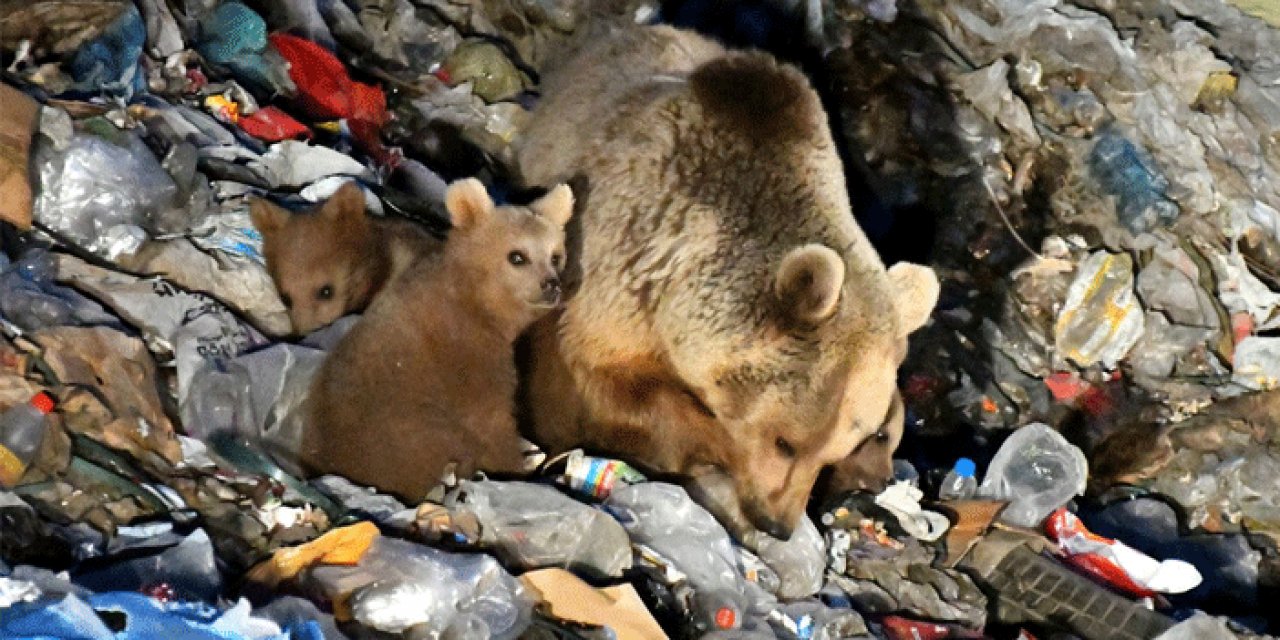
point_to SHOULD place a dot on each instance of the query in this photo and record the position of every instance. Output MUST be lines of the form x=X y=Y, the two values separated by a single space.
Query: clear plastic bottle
x=21 y=433
x=718 y=610
x=959 y=483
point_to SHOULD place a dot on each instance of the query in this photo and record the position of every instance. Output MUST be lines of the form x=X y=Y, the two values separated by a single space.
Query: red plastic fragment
x=324 y=87
x=270 y=124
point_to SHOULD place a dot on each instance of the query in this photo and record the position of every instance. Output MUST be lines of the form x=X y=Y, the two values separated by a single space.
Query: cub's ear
x=267 y=218
x=467 y=202
x=808 y=283
x=556 y=205
x=915 y=290
x=346 y=204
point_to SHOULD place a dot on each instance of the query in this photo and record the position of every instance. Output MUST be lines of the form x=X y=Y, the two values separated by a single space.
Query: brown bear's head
x=510 y=256
x=816 y=382
x=323 y=262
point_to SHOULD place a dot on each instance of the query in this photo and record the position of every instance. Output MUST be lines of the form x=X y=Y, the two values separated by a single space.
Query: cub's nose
x=551 y=290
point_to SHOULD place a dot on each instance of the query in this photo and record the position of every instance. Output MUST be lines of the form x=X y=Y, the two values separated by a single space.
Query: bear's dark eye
x=882 y=436
x=288 y=302
x=517 y=258
x=325 y=292
x=557 y=260
x=785 y=448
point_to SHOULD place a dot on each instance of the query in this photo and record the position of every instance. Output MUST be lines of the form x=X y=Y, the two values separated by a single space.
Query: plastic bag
x=110 y=61
x=799 y=561
x=31 y=299
x=664 y=518
x=102 y=196
x=533 y=526
x=399 y=584
x=1037 y=470
x=235 y=37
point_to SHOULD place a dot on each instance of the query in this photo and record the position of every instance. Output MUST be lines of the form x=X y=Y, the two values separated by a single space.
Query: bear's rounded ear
x=347 y=203
x=267 y=218
x=556 y=205
x=915 y=290
x=467 y=202
x=809 y=282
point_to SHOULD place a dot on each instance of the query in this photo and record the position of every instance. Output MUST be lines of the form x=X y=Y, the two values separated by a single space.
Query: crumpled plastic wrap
x=800 y=561
x=663 y=517
x=399 y=584
x=102 y=196
x=31 y=299
x=1101 y=318
x=534 y=526
x=1038 y=471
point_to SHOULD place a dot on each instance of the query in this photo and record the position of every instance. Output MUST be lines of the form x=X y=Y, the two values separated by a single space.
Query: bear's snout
x=760 y=519
x=551 y=290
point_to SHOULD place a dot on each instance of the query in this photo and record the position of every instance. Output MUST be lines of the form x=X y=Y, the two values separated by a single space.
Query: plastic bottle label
x=11 y=468
x=596 y=477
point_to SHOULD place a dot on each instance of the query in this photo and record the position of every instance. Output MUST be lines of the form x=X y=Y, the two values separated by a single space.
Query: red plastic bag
x=270 y=124
x=324 y=88
x=368 y=104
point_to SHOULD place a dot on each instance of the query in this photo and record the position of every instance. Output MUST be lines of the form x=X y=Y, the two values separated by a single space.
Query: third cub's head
x=813 y=380
x=510 y=256
x=322 y=261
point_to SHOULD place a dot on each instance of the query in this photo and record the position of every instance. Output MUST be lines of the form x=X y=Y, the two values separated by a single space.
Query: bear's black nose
x=551 y=290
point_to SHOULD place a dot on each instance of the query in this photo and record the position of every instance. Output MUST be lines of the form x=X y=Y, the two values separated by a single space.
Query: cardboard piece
x=19 y=117
x=618 y=608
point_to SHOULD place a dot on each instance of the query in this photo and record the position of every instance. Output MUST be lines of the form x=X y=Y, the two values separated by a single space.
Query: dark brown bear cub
x=335 y=259
x=427 y=376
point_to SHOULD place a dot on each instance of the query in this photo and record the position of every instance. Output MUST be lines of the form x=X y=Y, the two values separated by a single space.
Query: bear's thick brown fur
x=724 y=311
x=333 y=260
x=427 y=376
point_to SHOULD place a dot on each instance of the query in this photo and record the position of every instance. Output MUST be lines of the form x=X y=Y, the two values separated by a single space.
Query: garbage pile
x=1103 y=181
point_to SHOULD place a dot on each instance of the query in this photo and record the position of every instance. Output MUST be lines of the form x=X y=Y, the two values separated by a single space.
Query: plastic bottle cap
x=43 y=402
x=725 y=617
x=965 y=468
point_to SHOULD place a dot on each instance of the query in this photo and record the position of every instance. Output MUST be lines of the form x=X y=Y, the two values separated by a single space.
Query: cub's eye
x=288 y=302
x=785 y=448
x=517 y=258
x=325 y=292
x=557 y=260
x=882 y=436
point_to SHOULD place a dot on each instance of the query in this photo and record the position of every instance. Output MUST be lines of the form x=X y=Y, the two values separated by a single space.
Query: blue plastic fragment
x=1130 y=173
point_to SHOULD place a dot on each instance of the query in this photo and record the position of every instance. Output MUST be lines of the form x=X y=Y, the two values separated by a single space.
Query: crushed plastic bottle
x=533 y=526
x=959 y=483
x=1037 y=470
x=718 y=610
x=22 y=430
x=596 y=477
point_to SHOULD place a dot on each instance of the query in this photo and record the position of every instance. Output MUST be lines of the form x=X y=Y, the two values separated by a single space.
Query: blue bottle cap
x=965 y=468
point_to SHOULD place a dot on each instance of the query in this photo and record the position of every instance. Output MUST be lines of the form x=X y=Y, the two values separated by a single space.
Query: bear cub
x=333 y=260
x=427 y=377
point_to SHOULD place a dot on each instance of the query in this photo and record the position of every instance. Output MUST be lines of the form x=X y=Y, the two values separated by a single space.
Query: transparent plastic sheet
x=1037 y=470
x=533 y=526
x=31 y=299
x=399 y=584
x=799 y=562
x=102 y=196
x=663 y=517
x=260 y=396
